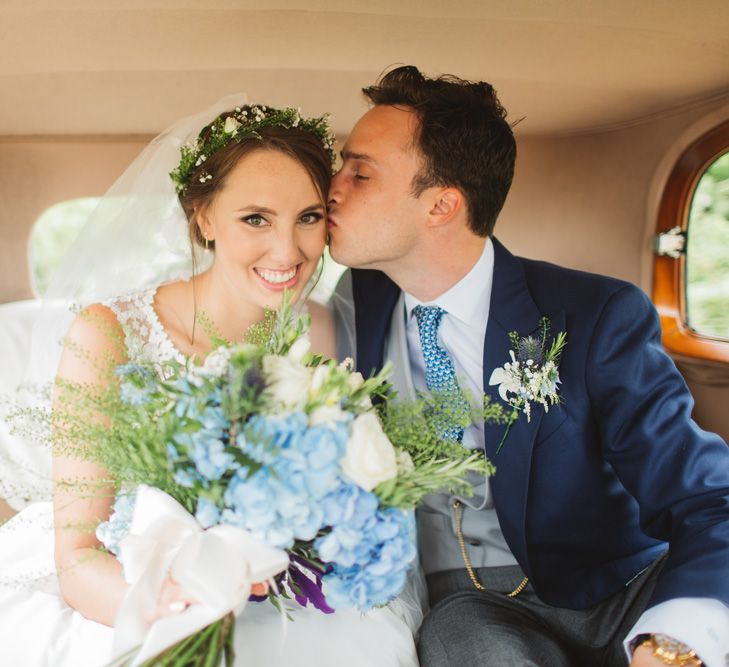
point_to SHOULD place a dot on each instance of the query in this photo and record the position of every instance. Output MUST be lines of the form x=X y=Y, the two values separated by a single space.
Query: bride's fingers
x=260 y=588
x=171 y=600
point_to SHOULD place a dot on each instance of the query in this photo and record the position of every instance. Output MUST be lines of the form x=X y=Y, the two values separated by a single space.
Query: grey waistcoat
x=439 y=548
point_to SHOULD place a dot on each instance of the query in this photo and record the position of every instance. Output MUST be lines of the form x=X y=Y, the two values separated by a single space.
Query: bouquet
x=265 y=462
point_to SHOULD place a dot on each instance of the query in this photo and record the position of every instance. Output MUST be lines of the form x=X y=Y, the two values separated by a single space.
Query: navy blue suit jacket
x=590 y=493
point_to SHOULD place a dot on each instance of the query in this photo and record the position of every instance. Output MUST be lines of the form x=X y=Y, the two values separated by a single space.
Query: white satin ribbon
x=216 y=567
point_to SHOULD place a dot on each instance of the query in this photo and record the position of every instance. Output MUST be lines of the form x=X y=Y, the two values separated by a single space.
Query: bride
x=249 y=191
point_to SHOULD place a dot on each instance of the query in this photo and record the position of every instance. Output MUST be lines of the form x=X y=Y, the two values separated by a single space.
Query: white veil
x=136 y=237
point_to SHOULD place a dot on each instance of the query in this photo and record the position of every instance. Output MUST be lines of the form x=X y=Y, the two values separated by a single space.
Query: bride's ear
x=203 y=223
x=446 y=206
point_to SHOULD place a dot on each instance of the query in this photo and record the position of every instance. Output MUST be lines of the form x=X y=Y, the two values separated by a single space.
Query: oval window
x=707 y=253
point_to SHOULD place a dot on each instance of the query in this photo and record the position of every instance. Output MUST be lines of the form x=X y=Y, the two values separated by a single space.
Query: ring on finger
x=177 y=607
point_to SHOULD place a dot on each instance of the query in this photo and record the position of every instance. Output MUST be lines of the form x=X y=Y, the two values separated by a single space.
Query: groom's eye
x=361 y=177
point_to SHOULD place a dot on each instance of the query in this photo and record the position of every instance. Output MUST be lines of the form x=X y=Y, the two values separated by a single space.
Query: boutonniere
x=532 y=375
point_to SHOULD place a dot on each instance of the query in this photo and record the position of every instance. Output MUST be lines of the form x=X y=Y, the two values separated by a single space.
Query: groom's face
x=373 y=216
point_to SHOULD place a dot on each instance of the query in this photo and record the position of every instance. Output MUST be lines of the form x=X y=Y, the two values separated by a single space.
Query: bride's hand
x=172 y=599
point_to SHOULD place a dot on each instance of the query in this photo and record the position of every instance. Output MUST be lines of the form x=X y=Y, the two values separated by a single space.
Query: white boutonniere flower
x=532 y=375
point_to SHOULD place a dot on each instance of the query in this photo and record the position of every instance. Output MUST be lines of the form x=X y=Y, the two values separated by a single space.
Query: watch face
x=673 y=652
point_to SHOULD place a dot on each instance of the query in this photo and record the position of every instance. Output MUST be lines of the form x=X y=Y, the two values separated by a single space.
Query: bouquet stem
x=206 y=648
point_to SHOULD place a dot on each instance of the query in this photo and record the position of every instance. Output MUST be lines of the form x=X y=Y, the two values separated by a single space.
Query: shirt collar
x=468 y=300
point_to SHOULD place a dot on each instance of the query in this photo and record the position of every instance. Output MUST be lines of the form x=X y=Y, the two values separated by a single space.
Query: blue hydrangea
x=205 y=448
x=110 y=533
x=131 y=394
x=207 y=513
x=282 y=500
x=368 y=566
x=137 y=383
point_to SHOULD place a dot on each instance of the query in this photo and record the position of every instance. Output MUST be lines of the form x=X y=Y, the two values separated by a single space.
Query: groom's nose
x=335 y=191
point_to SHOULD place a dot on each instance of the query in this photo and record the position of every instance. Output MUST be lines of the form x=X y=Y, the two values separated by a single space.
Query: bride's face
x=268 y=224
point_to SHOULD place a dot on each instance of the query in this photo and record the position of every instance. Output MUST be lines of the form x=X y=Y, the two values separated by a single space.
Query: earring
x=207 y=243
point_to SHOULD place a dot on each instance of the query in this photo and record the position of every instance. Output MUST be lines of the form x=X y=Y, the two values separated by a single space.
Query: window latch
x=670 y=244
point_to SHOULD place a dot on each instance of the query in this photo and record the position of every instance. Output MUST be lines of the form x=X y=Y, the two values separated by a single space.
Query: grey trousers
x=466 y=627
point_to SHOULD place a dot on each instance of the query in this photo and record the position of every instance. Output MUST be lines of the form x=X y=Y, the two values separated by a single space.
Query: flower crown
x=245 y=123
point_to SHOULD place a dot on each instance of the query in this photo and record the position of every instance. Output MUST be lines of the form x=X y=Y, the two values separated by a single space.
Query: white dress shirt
x=462 y=332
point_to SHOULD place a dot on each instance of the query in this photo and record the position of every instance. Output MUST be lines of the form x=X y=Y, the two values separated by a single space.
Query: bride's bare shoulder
x=94 y=344
x=322 y=330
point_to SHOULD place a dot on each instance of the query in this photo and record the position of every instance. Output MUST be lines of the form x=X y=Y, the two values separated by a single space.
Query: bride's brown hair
x=301 y=145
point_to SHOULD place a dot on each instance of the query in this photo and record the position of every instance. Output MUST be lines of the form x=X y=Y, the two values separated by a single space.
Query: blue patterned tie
x=440 y=374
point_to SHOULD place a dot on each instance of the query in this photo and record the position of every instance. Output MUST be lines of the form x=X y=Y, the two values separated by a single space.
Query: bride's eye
x=255 y=220
x=310 y=218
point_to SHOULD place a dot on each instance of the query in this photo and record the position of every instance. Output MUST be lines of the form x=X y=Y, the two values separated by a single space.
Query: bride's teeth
x=276 y=276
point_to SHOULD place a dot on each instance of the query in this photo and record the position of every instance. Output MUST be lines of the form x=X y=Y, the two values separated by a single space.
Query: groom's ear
x=447 y=204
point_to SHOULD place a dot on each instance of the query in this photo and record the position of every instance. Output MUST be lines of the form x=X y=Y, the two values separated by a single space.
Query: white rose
x=231 y=125
x=370 y=457
x=288 y=381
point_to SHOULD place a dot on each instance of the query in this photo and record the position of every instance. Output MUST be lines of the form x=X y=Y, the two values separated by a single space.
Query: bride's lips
x=277 y=280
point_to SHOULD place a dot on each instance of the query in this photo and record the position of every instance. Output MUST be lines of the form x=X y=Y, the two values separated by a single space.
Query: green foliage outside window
x=707 y=248
x=54 y=232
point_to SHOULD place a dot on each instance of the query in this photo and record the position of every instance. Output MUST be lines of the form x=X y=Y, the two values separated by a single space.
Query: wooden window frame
x=669 y=274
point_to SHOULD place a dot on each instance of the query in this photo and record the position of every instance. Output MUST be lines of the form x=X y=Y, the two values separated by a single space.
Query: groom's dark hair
x=463 y=136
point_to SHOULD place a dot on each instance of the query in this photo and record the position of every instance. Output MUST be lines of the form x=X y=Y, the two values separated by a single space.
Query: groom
x=603 y=537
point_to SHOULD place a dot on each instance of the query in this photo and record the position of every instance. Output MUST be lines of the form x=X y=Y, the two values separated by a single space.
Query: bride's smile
x=278 y=279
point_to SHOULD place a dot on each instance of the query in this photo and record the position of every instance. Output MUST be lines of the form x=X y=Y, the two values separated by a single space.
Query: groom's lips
x=331 y=223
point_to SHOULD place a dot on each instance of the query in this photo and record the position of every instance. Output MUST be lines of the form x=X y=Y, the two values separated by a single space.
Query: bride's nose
x=286 y=247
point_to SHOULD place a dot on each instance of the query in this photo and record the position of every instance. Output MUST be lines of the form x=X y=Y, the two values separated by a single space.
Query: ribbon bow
x=216 y=567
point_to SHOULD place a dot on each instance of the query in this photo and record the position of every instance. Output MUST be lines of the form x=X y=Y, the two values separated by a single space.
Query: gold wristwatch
x=671 y=651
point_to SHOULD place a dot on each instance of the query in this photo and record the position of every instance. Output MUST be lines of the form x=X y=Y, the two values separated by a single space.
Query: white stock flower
x=347 y=364
x=216 y=363
x=327 y=414
x=355 y=381
x=370 y=458
x=288 y=381
x=231 y=125
x=321 y=373
x=404 y=461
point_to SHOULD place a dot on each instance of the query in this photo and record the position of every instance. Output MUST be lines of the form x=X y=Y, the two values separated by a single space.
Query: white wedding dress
x=37 y=628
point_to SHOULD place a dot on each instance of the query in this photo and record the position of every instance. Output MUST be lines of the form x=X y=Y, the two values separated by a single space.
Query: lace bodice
x=144 y=337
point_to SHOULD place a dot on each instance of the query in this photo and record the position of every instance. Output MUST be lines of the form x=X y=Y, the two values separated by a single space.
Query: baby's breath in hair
x=244 y=123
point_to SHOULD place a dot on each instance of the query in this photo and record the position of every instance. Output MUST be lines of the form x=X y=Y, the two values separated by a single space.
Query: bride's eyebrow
x=314 y=207
x=256 y=209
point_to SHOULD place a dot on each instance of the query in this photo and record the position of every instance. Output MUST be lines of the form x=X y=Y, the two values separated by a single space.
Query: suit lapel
x=375 y=296
x=512 y=309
